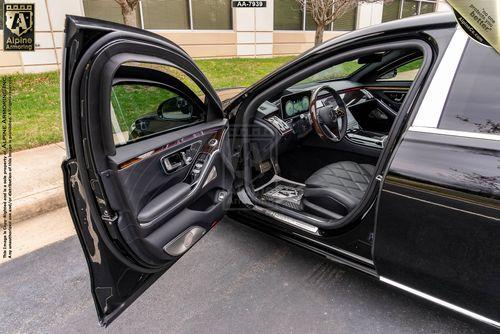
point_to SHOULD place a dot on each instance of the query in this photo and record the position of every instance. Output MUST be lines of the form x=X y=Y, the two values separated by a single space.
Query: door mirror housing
x=389 y=75
x=175 y=109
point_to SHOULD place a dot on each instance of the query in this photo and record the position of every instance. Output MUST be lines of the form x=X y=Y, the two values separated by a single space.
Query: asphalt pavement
x=235 y=280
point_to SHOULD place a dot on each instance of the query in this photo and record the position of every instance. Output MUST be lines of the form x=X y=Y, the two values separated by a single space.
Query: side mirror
x=389 y=75
x=175 y=109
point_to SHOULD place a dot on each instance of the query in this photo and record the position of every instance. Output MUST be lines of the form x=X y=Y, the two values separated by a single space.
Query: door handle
x=180 y=158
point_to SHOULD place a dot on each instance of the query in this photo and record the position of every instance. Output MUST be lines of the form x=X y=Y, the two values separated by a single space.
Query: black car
x=379 y=149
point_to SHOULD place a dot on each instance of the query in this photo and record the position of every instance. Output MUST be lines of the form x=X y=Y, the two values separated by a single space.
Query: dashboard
x=287 y=114
x=295 y=104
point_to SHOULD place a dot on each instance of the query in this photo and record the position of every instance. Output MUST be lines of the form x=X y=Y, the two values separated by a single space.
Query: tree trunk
x=129 y=16
x=318 y=37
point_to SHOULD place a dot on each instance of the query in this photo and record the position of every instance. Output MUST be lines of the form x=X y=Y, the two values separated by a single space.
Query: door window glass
x=473 y=103
x=141 y=110
x=406 y=72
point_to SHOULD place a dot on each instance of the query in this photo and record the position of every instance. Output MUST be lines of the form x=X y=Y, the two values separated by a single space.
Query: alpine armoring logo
x=19 y=27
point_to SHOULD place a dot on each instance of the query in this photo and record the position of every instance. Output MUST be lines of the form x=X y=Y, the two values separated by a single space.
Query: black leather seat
x=338 y=187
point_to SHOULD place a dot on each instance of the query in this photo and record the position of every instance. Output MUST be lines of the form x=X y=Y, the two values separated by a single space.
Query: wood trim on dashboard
x=386 y=88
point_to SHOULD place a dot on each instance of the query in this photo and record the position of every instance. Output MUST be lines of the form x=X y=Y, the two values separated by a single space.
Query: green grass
x=36 y=115
x=413 y=65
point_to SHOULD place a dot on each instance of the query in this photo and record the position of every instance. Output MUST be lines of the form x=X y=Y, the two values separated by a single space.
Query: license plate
x=249 y=4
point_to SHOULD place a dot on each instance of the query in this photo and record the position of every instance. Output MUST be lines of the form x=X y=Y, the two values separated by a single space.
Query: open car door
x=148 y=171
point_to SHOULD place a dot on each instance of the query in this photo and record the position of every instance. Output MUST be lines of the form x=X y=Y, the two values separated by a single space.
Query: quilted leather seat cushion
x=347 y=177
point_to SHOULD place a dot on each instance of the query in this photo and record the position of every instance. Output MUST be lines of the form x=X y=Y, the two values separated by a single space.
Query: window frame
x=304 y=21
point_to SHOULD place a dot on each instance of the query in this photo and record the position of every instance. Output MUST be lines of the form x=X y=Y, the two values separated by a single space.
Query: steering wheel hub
x=329 y=117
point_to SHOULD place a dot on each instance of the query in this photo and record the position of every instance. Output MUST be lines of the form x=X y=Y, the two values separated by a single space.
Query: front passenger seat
x=337 y=188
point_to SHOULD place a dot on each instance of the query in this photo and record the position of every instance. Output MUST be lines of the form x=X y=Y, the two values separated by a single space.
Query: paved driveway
x=236 y=280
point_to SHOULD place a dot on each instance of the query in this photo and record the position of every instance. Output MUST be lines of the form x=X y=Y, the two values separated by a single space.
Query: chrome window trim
x=477 y=135
x=441 y=302
x=430 y=109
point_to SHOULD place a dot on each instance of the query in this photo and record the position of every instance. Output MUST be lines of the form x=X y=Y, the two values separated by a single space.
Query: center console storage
x=367 y=138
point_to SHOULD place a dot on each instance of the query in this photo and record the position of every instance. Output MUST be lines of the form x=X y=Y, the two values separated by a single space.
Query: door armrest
x=163 y=202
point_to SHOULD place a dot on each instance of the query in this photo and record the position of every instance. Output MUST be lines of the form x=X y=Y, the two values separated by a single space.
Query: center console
x=367 y=138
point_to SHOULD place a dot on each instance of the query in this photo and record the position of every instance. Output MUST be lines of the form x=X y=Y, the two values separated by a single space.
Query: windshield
x=336 y=72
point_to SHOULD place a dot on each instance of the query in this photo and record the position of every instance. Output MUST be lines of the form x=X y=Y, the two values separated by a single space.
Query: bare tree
x=129 y=13
x=324 y=12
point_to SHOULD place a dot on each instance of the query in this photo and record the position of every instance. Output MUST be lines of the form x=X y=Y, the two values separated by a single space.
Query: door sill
x=288 y=220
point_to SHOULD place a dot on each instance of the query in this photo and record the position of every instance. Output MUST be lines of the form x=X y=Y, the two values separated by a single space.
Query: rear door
x=438 y=221
x=147 y=171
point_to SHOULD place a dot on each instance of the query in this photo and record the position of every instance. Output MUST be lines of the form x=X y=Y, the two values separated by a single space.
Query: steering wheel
x=329 y=119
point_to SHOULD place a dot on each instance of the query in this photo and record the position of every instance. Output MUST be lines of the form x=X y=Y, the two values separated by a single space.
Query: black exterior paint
x=438 y=223
x=438 y=219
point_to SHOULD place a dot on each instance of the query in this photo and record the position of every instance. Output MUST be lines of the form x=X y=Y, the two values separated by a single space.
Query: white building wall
x=252 y=35
x=254 y=31
x=369 y=14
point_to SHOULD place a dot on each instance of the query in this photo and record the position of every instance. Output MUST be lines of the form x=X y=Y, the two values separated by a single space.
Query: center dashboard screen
x=295 y=104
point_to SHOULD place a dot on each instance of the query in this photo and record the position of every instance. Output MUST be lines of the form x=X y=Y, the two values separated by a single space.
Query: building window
x=346 y=22
x=165 y=14
x=427 y=7
x=399 y=9
x=168 y=14
x=212 y=14
x=1 y=13
x=107 y=10
x=288 y=15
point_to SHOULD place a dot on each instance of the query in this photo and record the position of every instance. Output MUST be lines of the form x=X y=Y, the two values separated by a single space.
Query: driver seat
x=336 y=189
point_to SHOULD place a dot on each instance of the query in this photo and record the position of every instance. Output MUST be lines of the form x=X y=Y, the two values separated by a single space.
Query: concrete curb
x=37 y=181
x=37 y=204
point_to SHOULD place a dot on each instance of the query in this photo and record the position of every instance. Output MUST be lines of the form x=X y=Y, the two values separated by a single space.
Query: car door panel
x=160 y=202
x=451 y=252
x=134 y=214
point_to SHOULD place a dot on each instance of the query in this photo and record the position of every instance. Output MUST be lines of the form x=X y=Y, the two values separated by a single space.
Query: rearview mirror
x=371 y=58
x=175 y=109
